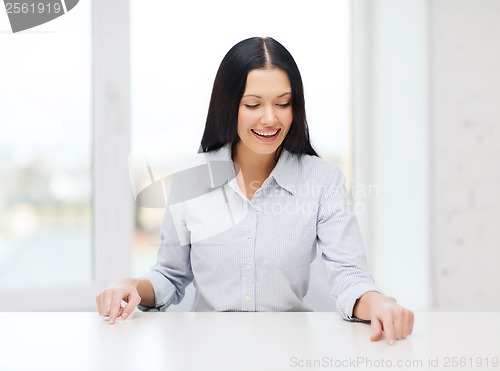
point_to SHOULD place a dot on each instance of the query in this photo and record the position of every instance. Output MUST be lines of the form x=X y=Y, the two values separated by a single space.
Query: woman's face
x=265 y=112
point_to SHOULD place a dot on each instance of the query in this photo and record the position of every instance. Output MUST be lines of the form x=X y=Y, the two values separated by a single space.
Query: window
x=65 y=105
x=45 y=154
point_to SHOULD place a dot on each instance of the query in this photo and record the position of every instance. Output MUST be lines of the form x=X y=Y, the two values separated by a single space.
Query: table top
x=243 y=341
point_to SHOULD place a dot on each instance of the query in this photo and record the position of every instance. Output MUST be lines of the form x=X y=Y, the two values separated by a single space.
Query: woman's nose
x=269 y=116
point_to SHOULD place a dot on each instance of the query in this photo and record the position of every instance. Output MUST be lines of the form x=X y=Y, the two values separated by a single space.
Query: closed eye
x=251 y=105
x=283 y=105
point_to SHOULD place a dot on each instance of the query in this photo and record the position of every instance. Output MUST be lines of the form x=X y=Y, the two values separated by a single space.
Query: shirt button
x=249 y=235
x=276 y=191
x=247 y=267
x=257 y=209
x=247 y=298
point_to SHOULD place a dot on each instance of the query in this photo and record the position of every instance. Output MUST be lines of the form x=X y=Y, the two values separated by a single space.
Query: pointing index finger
x=116 y=307
x=389 y=329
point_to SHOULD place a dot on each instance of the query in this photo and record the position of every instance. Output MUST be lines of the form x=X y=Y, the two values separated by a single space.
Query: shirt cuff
x=347 y=300
x=163 y=291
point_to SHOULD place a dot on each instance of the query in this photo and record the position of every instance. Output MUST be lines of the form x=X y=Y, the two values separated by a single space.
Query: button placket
x=246 y=262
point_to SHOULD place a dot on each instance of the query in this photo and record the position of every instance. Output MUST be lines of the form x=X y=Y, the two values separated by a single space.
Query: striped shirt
x=255 y=255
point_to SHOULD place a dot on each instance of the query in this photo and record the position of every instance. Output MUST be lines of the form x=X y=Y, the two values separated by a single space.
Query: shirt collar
x=220 y=165
x=285 y=173
x=221 y=154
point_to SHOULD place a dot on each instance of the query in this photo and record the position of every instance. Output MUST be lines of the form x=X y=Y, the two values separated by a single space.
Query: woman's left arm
x=357 y=296
x=385 y=315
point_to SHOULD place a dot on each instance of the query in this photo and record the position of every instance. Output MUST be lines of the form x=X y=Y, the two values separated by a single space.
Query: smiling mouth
x=266 y=134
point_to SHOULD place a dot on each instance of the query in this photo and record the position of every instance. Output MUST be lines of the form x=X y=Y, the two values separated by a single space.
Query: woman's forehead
x=267 y=81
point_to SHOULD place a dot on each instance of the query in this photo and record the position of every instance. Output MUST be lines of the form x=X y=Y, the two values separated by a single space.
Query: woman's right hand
x=109 y=302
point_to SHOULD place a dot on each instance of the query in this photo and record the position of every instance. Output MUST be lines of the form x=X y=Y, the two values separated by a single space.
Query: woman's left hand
x=386 y=316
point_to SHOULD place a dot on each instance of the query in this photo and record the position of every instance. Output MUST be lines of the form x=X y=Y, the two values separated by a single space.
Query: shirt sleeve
x=172 y=271
x=342 y=250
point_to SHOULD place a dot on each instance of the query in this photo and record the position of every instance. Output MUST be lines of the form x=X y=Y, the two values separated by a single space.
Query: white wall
x=391 y=143
x=465 y=132
x=427 y=135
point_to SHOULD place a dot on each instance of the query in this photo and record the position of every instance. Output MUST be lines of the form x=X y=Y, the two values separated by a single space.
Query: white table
x=243 y=341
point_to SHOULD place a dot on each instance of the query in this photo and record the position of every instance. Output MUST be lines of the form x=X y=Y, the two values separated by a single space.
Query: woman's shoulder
x=220 y=154
x=319 y=168
x=315 y=161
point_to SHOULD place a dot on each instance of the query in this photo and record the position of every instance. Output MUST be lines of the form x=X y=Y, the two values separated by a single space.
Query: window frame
x=112 y=232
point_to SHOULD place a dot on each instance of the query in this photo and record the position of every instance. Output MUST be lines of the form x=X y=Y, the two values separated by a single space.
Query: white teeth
x=265 y=134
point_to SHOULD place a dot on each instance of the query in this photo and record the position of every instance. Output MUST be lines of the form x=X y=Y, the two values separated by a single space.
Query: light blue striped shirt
x=255 y=255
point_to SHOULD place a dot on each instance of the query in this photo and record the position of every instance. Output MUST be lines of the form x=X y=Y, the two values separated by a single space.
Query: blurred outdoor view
x=45 y=154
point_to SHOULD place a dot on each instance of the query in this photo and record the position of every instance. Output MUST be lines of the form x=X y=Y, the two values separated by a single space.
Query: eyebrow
x=258 y=96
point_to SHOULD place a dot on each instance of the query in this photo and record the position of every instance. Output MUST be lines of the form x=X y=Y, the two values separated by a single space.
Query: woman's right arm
x=133 y=291
x=165 y=282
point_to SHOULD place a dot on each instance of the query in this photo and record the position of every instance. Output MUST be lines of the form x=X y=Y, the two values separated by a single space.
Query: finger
x=116 y=302
x=376 y=330
x=133 y=302
x=106 y=298
x=411 y=322
x=399 y=323
x=102 y=305
x=120 y=311
x=406 y=323
x=98 y=304
x=388 y=326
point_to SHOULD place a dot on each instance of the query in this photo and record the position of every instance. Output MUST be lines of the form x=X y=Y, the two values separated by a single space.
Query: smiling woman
x=259 y=262
x=259 y=87
x=170 y=95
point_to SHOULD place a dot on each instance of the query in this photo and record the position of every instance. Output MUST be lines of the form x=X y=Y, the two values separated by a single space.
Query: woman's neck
x=254 y=168
x=251 y=162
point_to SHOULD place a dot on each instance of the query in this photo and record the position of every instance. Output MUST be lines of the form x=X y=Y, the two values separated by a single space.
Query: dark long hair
x=229 y=86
